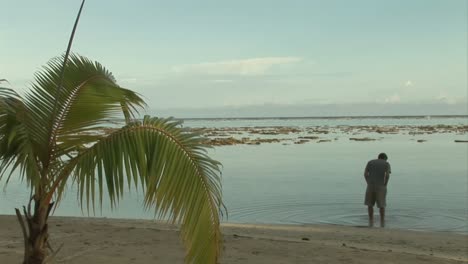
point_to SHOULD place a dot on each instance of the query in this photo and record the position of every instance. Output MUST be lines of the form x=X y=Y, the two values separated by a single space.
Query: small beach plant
x=58 y=134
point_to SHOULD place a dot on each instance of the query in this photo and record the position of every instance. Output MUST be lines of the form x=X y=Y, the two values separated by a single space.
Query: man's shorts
x=376 y=193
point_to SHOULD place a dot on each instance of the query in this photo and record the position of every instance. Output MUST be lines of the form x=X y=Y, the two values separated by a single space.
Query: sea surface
x=323 y=183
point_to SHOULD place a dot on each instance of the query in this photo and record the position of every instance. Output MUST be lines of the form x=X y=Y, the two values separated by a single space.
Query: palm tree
x=51 y=138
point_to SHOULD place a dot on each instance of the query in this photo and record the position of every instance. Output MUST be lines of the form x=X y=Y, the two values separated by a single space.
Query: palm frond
x=88 y=98
x=16 y=148
x=171 y=165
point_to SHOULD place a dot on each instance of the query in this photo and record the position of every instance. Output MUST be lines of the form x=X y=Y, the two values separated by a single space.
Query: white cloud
x=221 y=81
x=245 y=67
x=408 y=83
x=441 y=97
x=393 y=99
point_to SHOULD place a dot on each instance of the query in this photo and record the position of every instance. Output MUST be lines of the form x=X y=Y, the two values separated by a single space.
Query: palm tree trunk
x=35 y=233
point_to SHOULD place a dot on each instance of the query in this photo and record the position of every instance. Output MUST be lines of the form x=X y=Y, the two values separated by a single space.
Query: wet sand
x=101 y=240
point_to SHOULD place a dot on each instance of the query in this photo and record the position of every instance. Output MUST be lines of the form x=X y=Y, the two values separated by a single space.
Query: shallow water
x=323 y=182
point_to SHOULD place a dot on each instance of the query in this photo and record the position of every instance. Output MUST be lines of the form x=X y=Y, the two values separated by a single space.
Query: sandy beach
x=101 y=240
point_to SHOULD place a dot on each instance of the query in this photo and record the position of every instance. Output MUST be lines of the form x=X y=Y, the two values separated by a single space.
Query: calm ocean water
x=323 y=183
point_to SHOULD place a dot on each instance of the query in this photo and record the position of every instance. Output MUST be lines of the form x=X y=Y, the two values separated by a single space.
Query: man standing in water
x=377 y=174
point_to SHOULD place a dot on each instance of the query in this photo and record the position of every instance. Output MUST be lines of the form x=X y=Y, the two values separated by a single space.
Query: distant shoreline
x=325 y=117
x=309 y=117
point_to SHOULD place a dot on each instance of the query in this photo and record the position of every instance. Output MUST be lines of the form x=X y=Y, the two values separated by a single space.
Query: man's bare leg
x=370 y=211
x=382 y=217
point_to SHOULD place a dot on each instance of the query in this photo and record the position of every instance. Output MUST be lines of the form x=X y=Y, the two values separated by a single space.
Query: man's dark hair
x=383 y=156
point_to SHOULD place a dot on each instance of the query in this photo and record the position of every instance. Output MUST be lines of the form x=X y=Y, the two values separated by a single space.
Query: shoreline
x=108 y=240
x=327 y=117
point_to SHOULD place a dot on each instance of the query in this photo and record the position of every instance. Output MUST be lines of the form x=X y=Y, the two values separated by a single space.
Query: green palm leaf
x=171 y=165
x=16 y=148
x=87 y=100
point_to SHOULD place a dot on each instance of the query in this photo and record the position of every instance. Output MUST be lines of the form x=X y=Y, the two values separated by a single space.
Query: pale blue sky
x=202 y=54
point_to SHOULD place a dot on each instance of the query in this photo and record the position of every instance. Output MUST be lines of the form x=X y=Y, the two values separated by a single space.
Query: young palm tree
x=53 y=137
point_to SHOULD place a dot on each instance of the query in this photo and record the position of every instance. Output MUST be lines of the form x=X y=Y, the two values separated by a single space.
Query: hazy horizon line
x=329 y=117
